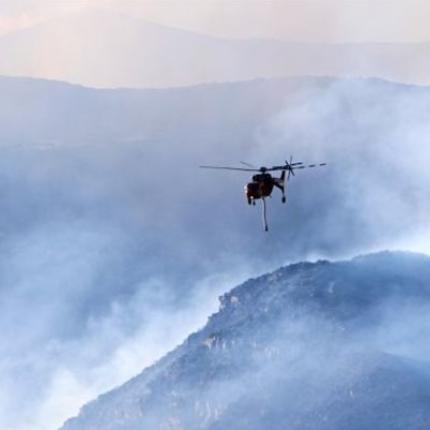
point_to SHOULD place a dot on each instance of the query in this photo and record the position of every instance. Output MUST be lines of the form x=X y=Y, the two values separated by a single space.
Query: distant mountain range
x=102 y=49
x=318 y=346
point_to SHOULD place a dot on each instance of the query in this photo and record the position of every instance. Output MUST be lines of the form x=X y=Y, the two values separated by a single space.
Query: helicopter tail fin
x=282 y=178
x=280 y=183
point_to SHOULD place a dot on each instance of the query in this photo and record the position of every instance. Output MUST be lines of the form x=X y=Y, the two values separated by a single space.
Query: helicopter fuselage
x=261 y=186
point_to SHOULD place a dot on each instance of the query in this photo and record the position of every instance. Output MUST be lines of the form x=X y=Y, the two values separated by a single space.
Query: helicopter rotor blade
x=239 y=169
x=289 y=166
x=248 y=164
x=310 y=166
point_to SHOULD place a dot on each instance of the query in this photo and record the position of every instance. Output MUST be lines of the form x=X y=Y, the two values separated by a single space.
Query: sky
x=112 y=43
x=331 y=21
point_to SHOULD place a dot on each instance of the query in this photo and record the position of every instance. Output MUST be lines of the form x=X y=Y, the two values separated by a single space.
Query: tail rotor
x=290 y=169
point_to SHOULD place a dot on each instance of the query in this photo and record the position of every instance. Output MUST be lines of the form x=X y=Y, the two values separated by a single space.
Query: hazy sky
x=297 y=20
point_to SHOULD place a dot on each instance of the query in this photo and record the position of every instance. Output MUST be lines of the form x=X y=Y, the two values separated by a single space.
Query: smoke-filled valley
x=115 y=245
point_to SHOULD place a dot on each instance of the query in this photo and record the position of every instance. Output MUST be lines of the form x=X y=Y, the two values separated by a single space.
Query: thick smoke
x=111 y=235
x=373 y=135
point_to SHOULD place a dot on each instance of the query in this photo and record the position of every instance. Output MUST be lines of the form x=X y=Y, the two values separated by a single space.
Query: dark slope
x=293 y=349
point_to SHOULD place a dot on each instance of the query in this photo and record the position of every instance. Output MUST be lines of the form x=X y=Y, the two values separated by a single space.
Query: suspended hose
x=265 y=225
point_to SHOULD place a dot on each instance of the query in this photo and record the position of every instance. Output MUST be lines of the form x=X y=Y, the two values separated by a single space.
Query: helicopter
x=263 y=183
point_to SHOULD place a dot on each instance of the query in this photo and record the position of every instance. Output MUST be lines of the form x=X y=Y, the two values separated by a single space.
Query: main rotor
x=289 y=167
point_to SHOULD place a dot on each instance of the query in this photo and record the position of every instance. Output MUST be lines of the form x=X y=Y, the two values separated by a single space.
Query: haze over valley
x=107 y=220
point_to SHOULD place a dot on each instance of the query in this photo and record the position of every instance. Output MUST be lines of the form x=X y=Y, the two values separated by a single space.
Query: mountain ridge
x=203 y=383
